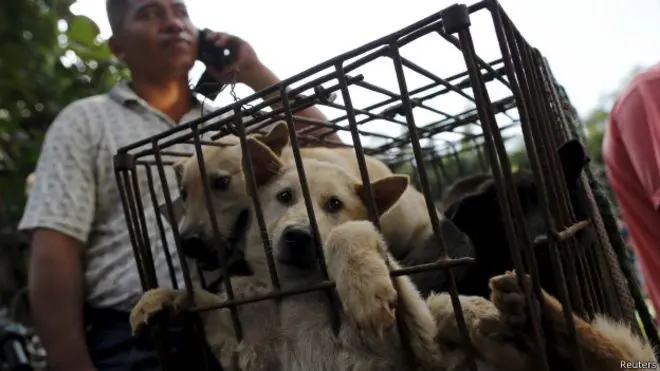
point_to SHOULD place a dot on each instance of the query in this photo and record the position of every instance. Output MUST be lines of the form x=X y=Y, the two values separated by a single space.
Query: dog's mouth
x=206 y=254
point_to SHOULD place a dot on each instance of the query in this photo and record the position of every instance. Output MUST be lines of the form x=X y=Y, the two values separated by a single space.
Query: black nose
x=297 y=248
x=194 y=247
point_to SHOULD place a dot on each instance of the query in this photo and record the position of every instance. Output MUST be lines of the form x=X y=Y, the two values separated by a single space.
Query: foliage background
x=52 y=57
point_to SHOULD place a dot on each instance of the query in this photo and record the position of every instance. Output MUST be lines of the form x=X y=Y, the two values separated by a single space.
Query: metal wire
x=530 y=105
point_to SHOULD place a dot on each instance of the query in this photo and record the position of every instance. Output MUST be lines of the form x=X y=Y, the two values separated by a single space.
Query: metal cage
x=514 y=90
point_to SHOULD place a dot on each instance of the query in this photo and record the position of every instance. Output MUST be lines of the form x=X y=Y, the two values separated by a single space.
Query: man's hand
x=246 y=62
x=251 y=72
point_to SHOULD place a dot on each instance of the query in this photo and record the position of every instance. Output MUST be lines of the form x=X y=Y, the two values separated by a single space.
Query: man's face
x=157 y=38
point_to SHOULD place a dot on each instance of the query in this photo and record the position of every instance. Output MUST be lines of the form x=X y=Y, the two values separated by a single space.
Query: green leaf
x=82 y=30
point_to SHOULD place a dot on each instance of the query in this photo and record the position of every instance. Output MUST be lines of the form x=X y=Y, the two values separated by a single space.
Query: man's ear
x=265 y=163
x=573 y=159
x=116 y=48
x=277 y=138
x=387 y=191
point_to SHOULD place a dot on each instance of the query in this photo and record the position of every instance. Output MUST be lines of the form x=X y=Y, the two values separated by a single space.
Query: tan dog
x=231 y=204
x=296 y=333
x=299 y=337
x=406 y=226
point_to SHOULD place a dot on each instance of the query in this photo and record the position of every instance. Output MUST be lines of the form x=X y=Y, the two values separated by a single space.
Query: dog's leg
x=355 y=256
x=604 y=344
x=218 y=329
x=492 y=341
x=168 y=304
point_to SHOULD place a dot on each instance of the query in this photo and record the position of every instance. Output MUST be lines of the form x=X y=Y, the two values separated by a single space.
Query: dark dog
x=478 y=214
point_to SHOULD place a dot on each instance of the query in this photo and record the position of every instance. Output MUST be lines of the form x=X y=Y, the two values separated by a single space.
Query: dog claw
x=155 y=306
x=509 y=298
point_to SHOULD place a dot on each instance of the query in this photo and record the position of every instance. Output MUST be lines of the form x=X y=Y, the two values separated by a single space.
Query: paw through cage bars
x=424 y=249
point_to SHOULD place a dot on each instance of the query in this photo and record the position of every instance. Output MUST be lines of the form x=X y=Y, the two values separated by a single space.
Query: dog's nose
x=194 y=247
x=297 y=248
x=297 y=236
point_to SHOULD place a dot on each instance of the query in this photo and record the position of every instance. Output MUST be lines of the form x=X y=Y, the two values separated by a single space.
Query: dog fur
x=501 y=331
x=406 y=226
x=473 y=206
x=296 y=333
x=354 y=252
x=604 y=342
x=228 y=195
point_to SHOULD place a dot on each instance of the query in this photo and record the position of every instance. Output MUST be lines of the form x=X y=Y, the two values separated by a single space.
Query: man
x=631 y=151
x=81 y=253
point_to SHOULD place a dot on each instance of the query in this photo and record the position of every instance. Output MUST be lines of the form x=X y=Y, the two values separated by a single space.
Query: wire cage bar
x=420 y=124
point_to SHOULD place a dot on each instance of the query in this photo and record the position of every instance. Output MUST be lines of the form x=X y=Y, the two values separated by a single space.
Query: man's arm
x=56 y=292
x=638 y=121
x=59 y=213
x=262 y=77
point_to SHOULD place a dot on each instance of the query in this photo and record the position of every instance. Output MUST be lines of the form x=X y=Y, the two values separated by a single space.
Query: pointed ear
x=387 y=191
x=277 y=138
x=472 y=206
x=265 y=163
x=573 y=159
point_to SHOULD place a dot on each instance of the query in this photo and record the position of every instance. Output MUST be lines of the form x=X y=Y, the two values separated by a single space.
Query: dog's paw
x=354 y=253
x=369 y=298
x=155 y=306
x=474 y=309
x=509 y=298
x=501 y=345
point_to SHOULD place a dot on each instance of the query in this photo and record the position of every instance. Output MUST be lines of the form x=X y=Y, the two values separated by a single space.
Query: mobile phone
x=212 y=55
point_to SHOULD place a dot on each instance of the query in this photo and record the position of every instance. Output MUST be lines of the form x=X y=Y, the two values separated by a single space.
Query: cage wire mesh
x=388 y=100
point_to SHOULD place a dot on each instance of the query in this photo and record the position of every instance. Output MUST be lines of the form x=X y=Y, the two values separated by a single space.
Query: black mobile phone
x=211 y=55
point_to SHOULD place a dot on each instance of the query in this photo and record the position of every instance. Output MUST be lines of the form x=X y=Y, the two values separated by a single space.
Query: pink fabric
x=631 y=151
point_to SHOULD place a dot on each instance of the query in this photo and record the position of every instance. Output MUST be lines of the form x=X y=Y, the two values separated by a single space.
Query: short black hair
x=116 y=10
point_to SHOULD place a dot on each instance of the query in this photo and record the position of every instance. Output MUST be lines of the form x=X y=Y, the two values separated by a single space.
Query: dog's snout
x=194 y=247
x=298 y=236
x=297 y=248
x=191 y=240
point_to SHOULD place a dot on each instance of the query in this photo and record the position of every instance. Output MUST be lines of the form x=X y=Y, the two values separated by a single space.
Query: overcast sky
x=591 y=44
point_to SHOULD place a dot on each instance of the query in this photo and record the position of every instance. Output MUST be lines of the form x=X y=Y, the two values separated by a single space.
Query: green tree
x=50 y=58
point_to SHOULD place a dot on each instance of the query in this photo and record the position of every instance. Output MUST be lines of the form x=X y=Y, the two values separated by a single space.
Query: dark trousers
x=113 y=348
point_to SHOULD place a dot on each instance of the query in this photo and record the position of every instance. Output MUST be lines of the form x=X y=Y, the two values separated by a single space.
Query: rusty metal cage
x=514 y=90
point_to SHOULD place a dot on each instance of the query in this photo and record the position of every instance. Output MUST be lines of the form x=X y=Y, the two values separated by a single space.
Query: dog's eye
x=183 y=194
x=285 y=196
x=221 y=183
x=332 y=205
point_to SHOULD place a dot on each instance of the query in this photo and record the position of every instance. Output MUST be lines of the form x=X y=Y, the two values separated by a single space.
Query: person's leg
x=113 y=348
x=111 y=345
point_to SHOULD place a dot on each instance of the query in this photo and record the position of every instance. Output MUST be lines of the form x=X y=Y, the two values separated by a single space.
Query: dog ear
x=472 y=206
x=387 y=191
x=277 y=138
x=573 y=159
x=265 y=163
